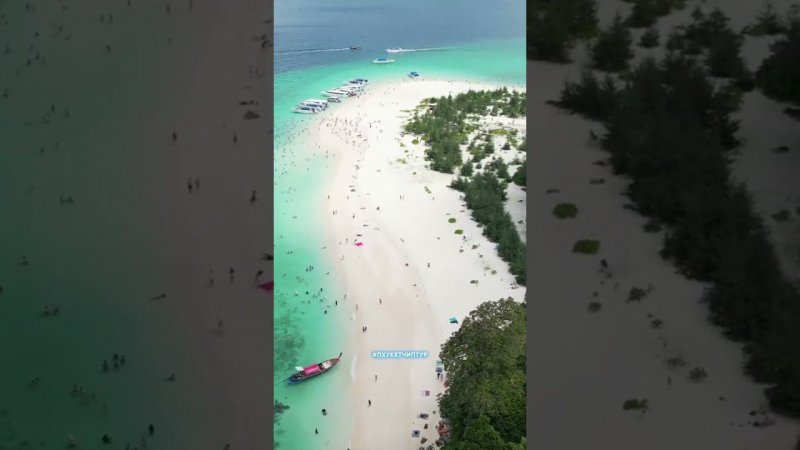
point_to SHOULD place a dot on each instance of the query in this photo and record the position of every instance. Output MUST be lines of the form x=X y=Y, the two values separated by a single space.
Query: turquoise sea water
x=303 y=333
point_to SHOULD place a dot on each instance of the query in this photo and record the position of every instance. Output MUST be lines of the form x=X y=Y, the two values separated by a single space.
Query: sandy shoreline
x=404 y=304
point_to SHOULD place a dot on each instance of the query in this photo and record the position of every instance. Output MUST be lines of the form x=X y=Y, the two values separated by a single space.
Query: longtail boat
x=304 y=373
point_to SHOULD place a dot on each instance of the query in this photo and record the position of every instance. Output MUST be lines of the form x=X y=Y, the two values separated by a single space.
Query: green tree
x=485 y=364
x=778 y=74
x=649 y=39
x=612 y=50
x=554 y=26
x=520 y=175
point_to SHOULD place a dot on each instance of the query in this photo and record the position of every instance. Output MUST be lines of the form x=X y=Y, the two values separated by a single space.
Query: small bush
x=506 y=146
x=676 y=362
x=635 y=405
x=649 y=39
x=636 y=294
x=595 y=307
x=473 y=281
x=656 y=324
x=781 y=216
x=459 y=231
x=586 y=246
x=452 y=220
x=467 y=169
x=698 y=374
x=415 y=141
x=565 y=210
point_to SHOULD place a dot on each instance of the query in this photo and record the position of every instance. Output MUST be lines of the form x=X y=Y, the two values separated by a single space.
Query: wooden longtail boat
x=304 y=373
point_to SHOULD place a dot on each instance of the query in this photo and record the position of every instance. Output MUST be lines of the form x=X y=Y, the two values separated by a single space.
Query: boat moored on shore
x=382 y=60
x=304 y=373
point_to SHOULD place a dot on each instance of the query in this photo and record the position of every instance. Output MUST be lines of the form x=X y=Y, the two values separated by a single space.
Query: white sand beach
x=585 y=365
x=412 y=272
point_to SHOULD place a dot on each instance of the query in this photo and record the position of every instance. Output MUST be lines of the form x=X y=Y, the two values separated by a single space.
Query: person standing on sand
x=369 y=403
x=151 y=429
x=253 y=198
x=230 y=273
x=316 y=431
x=211 y=278
x=189 y=185
x=174 y=137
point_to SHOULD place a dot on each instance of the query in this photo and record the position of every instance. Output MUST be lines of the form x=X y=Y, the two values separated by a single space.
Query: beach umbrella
x=269 y=286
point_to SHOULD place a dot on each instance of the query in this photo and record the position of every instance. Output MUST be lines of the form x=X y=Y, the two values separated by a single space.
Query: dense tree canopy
x=669 y=129
x=485 y=365
x=554 y=26
x=779 y=73
x=612 y=50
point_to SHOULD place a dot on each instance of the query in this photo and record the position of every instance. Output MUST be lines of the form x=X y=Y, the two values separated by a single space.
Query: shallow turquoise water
x=303 y=334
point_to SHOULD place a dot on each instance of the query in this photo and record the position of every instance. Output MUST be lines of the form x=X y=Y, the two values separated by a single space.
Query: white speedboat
x=414 y=75
x=359 y=80
x=334 y=99
x=313 y=105
x=395 y=50
x=382 y=60
x=304 y=110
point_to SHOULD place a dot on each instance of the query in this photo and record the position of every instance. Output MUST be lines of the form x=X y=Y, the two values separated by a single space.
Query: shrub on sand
x=565 y=210
x=459 y=231
x=675 y=362
x=586 y=246
x=595 y=307
x=635 y=405
x=698 y=374
x=452 y=220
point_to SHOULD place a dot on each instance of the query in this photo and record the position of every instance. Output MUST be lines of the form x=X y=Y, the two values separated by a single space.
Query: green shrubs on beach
x=459 y=231
x=467 y=169
x=445 y=127
x=554 y=27
x=670 y=131
x=778 y=74
x=586 y=246
x=451 y=220
x=635 y=405
x=520 y=176
x=565 y=211
x=646 y=12
x=768 y=22
x=698 y=374
x=649 y=39
x=485 y=197
x=612 y=50
x=485 y=362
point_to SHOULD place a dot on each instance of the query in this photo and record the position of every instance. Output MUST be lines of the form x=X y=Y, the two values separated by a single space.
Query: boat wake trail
x=404 y=50
x=353 y=368
x=319 y=50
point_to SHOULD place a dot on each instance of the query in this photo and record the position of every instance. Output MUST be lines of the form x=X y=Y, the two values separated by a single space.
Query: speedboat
x=394 y=50
x=324 y=103
x=382 y=60
x=314 y=105
x=340 y=92
x=413 y=74
x=359 y=80
x=355 y=48
x=304 y=110
x=334 y=99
